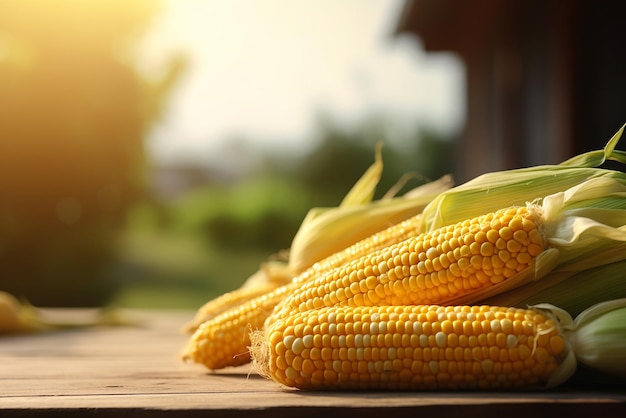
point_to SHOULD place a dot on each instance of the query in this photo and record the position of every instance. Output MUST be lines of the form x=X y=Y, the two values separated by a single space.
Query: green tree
x=343 y=154
x=74 y=112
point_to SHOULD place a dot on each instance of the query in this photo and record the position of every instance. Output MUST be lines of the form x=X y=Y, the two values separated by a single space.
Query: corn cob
x=223 y=340
x=10 y=314
x=451 y=263
x=413 y=347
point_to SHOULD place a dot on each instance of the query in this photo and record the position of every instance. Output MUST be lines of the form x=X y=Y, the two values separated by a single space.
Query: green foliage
x=262 y=212
x=343 y=154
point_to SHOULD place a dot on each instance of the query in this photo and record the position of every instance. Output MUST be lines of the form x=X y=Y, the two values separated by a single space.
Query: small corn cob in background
x=435 y=347
x=20 y=317
x=17 y=317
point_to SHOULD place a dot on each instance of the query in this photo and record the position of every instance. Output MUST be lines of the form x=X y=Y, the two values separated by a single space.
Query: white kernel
x=495 y=325
x=298 y=346
x=291 y=373
x=511 y=341
x=487 y=365
x=423 y=340
x=358 y=340
x=433 y=366
x=374 y=328
x=342 y=341
x=432 y=253
x=441 y=339
x=308 y=341
x=288 y=341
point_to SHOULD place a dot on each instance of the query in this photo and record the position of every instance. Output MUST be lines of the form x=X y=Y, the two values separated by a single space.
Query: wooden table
x=135 y=371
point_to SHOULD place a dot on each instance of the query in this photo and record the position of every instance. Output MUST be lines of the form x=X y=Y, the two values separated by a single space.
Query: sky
x=264 y=70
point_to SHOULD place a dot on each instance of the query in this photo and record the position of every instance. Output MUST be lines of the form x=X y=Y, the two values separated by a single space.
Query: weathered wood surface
x=136 y=371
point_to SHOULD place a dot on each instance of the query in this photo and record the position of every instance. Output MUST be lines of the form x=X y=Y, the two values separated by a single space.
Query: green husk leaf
x=573 y=242
x=579 y=240
x=597 y=158
x=363 y=190
x=599 y=337
x=328 y=230
x=572 y=291
x=492 y=191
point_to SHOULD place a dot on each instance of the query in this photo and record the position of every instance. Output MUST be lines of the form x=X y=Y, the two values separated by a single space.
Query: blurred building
x=546 y=79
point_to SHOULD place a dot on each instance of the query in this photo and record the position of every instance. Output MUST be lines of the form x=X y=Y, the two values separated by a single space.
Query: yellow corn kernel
x=410 y=347
x=439 y=267
x=222 y=341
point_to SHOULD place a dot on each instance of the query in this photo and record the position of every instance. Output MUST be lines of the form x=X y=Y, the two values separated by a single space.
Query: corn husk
x=599 y=337
x=492 y=191
x=596 y=338
x=586 y=230
x=326 y=231
x=572 y=292
x=580 y=234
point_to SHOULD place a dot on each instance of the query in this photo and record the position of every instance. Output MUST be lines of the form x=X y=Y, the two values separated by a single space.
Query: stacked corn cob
x=439 y=298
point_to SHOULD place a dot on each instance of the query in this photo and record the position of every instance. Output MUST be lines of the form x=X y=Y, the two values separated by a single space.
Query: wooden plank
x=138 y=370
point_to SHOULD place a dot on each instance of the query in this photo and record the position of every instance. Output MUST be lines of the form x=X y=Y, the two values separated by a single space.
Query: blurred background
x=154 y=152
